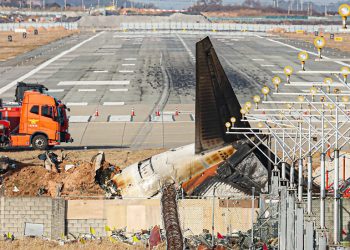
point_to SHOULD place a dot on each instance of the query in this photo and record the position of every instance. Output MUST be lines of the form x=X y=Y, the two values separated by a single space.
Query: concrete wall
x=144 y=213
x=15 y=212
x=77 y=216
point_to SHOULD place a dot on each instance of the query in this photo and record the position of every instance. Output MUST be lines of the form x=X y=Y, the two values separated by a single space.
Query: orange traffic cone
x=97 y=113
x=158 y=112
x=132 y=112
x=176 y=112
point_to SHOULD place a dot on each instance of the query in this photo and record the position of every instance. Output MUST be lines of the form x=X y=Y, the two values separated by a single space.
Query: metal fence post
x=253 y=208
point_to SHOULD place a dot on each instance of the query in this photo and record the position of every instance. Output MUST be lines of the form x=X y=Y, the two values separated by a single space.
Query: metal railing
x=223 y=27
x=13 y=26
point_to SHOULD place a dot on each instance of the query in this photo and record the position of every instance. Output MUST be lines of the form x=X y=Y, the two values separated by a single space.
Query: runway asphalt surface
x=113 y=73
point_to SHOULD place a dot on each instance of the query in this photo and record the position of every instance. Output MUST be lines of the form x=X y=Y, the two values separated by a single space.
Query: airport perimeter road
x=102 y=77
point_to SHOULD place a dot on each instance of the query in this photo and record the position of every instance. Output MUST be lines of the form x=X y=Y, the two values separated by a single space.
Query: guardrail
x=42 y=13
x=177 y=26
x=13 y=26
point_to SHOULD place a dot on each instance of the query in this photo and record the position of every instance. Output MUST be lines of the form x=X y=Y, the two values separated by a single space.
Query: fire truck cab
x=39 y=121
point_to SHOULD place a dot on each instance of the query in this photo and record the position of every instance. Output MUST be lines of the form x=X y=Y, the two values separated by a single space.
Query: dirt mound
x=30 y=178
x=35 y=180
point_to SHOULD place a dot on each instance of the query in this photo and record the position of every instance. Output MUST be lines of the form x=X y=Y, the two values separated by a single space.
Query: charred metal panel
x=216 y=102
x=247 y=173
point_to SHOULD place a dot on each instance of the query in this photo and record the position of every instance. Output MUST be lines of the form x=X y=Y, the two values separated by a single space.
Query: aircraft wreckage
x=215 y=157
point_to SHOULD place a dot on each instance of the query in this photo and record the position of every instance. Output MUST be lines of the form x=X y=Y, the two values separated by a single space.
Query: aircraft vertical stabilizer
x=216 y=102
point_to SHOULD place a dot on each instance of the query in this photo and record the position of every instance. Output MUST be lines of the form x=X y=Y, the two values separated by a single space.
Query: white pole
x=283 y=158
x=336 y=183
x=213 y=220
x=300 y=167
x=253 y=205
x=323 y=181
x=309 y=174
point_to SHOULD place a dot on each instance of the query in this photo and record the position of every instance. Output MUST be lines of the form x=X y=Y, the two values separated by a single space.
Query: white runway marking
x=258 y=59
x=86 y=90
x=79 y=118
x=76 y=103
x=126 y=71
x=55 y=90
x=310 y=52
x=267 y=65
x=278 y=72
x=45 y=64
x=130 y=59
x=119 y=118
x=118 y=90
x=100 y=71
x=92 y=83
x=128 y=64
x=113 y=103
x=162 y=118
x=186 y=47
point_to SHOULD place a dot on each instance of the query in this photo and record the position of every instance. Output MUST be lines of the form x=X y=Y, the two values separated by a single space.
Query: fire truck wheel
x=39 y=142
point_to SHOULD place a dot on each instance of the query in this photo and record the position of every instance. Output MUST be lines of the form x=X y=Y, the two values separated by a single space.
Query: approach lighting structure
x=265 y=90
x=288 y=71
x=276 y=81
x=344 y=11
x=303 y=56
x=345 y=71
x=319 y=43
x=256 y=99
x=329 y=82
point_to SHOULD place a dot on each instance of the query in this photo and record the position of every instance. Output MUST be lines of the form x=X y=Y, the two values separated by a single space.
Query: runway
x=112 y=73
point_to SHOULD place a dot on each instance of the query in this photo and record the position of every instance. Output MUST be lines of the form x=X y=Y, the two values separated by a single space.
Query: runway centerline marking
x=92 y=83
x=48 y=62
x=86 y=90
x=118 y=90
x=113 y=103
x=128 y=64
x=267 y=65
x=100 y=71
x=130 y=59
x=258 y=59
x=76 y=103
x=55 y=90
x=126 y=71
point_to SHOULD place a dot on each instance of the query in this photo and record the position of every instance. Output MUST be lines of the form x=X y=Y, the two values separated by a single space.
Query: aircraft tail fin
x=216 y=101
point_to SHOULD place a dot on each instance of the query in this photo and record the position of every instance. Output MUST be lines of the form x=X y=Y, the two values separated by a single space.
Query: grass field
x=20 y=45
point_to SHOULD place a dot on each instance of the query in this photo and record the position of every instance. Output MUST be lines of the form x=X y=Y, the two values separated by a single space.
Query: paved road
x=112 y=73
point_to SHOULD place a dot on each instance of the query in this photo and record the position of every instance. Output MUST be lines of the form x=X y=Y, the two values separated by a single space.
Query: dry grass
x=38 y=244
x=21 y=45
x=307 y=37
